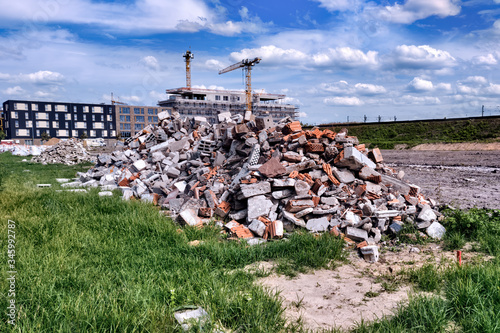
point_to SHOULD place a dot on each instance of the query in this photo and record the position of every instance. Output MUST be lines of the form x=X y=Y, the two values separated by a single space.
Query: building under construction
x=209 y=103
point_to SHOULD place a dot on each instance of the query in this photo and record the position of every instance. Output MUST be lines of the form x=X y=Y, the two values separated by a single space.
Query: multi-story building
x=133 y=118
x=208 y=103
x=27 y=122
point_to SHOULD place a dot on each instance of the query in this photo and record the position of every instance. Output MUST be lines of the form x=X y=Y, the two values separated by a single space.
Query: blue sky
x=412 y=59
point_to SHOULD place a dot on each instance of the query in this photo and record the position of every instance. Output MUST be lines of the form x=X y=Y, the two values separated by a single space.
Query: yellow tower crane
x=247 y=64
x=187 y=58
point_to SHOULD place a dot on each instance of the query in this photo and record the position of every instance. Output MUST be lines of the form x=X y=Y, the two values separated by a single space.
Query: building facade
x=208 y=103
x=131 y=119
x=27 y=122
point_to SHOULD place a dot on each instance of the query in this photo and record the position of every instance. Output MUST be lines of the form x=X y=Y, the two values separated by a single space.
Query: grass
x=98 y=264
x=387 y=135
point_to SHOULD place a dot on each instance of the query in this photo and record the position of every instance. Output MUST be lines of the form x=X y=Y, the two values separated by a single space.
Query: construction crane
x=187 y=58
x=247 y=64
x=113 y=101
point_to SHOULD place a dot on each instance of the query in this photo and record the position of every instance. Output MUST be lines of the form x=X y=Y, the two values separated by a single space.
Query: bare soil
x=461 y=178
x=342 y=297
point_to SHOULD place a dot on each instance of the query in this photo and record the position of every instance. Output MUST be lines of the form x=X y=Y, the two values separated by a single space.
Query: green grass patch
x=98 y=264
x=386 y=135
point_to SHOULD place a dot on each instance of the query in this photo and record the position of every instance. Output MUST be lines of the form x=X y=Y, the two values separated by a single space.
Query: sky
x=337 y=60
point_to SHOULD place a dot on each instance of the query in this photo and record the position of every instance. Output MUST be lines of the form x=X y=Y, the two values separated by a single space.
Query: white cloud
x=214 y=64
x=444 y=86
x=43 y=94
x=418 y=100
x=336 y=5
x=302 y=115
x=244 y=13
x=421 y=57
x=343 y=101
x=345 y=57
x=488 y=59
x=272 y=55
x=418 y=84
x=17 y=90
x=413 y=10
x=40 y=77
x=151 y=63
x=493 y=89
x=475 y=80
x=369 y=89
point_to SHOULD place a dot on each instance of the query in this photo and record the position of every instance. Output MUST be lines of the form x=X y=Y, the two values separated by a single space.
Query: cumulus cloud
x=369 y=89
x=487 y=60
x=414 y=10
x=421 y=57
x=420 y=85
x=302 y=115
x=17 y=90
x=493 y=90
x=335 y=5
x=343 y=88
x=40 y=77
x=151 y=63
x=214 y=64
x=343 y=101
x=341 y=57
x=475 y=80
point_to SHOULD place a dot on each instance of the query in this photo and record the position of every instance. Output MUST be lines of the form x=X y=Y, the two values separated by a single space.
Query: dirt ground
x=357 y=291
x=342 y=297
x=463 y=179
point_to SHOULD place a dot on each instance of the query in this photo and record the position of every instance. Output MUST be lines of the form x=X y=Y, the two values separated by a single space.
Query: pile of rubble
x=265 y=178
x=67 y=152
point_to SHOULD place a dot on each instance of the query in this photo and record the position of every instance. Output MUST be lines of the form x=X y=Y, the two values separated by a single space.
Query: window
x=138 y=127
x=217 y=97
x=109 y=117
x=84 y=117
x=14 y=115
x=26 y=115
x=124 y=118
x=28 y=142
x=75 y=118
x=86 y=109
x=127 y=126
x=29 y=123
x=97 y=109
x=66 y=125
x=67 y=116
x=74 y=108
x=125 y=110
x=16 y=124
x=138 y=110
x=110 y=110
x=34 y=107
x=37 y=133
x=225 y=98
x=110 y=126
x=150 y=119
x=47 y=107
x=151 y=111
x=56 y=116
x=104 y=133
x=93 y=117
x=61 y=108
x=20 y=106
x=139 y=119
x=92 y=133
x=55 y=124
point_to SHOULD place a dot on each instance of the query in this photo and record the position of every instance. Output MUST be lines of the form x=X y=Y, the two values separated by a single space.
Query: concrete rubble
x=67 y=152
x=264 y=179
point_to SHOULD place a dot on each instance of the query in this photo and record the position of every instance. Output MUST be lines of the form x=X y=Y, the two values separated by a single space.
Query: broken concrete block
x=427 y=214
x=395 y=228
x=251 y=190
x=139 y=165
x=318 y=225
x=370 y=253
x=343 y=175
x=436 y=230
x=302 y=188
x=190 y=217
x=189 y=318
x=356 y=234
x=290 y=217
x=304 y=212
x=257 y=227
x=106 y=194
x=258 y=206
x=354 y=159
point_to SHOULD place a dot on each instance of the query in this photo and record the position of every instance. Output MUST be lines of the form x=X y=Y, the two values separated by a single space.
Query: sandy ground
x=465 y=176
x=342 y=297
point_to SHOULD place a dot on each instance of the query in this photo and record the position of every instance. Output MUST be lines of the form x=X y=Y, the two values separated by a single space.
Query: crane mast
x=187 y=58
x=247 y=64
